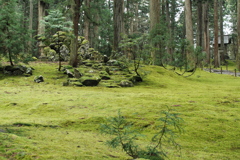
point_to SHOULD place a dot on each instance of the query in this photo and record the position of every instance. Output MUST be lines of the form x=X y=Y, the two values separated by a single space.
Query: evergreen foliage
x=56 y=22
x=13 y=35
x=126 y=137
x=137 y=49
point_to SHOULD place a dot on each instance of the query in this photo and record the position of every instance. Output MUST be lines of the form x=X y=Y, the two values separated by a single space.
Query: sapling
x=56 y=22
x=124 y=136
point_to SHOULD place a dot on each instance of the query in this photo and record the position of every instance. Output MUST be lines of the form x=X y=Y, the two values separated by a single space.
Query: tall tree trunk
x=188 y=21
x=136 y=18
x=216 y=55
x=86 y=20
x=154 y=21
x=172 y=27
x=129 y=23
x=118 y=19
x=168 y=20
x=238 y=35
x=41 y=26
x=189 y=35
x=96 y=32
x=30 y=24
x=206 y=31
x=221 y=31
x=199 y=25
x=76 y=4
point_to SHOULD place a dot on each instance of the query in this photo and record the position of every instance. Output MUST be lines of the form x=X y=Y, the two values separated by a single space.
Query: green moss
x=84 y=42
x=56 y=122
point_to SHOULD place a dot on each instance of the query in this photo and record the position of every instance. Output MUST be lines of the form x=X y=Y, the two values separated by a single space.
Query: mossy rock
x=112 y=86
x=90 y=81
x=78 y=84
x=135 y=79
x=113 y=63
x=88 y=61
x=105 y=77
x=88 y=64
x=91 y=50
x=126 y=83
x=103 y=73
x=96 y=66
x=84 y=42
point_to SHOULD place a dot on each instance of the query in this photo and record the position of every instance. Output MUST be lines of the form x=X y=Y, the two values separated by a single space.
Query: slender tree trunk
x=129 y=20
x=206 y=31
x=189 y=34
x=188 y=21
x=76 y=4
x=41 y=26
x=86 y=20
x=154 y=21
x=30 y=24
x=216 y=55
x=96 y=32
x=172 y=27
x=168 y=20
x=118 y=20
x=136 y=18
x=199 y=25
x=238 y=35
x=221 y=32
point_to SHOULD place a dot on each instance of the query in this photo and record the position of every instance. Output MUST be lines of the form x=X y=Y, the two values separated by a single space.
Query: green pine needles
x=124 y=136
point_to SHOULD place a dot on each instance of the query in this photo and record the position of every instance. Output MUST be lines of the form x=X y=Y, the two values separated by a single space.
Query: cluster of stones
x=50 y=51
x=17 y=70
x=112 y=74
x=94 y=69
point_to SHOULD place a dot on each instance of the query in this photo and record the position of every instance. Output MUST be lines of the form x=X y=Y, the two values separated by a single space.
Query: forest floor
x=50 y=121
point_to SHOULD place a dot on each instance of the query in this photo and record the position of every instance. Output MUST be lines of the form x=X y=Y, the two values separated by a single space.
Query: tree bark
x=168 y=21
x=221 y=32
x=188 y=21
x=96 y=32
x=76 y=4
x=216 y=55
x=199 y=24
x=154 y=13
x=86 y=20
x=238 y=35
x=206 y=31
x=154 y=21
x=118 y=20
x=30 y=24
x=41 y=26
x=136 y=18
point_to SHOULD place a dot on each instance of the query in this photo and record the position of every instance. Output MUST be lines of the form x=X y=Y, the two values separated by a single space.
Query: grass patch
x=49 y=121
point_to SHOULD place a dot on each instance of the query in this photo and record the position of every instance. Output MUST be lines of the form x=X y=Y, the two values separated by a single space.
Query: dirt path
x=223 y=72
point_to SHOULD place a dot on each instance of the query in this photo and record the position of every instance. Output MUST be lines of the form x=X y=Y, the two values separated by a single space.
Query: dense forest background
x=161 y=32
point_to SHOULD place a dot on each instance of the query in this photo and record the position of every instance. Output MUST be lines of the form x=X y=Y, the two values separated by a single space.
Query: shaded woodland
x=174 y=33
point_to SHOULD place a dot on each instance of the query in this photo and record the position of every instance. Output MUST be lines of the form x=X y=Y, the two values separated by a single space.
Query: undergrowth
x=126 y=137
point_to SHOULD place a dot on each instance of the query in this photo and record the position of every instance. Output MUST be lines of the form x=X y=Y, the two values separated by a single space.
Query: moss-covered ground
x=50 y=121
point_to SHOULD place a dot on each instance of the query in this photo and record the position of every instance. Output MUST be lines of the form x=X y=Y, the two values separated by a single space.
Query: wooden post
x=235 y=72
x=221 y=70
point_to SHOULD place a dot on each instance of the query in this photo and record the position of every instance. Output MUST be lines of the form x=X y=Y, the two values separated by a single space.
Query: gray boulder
x=126 y=83
x=39 y=79
x=77 y=74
